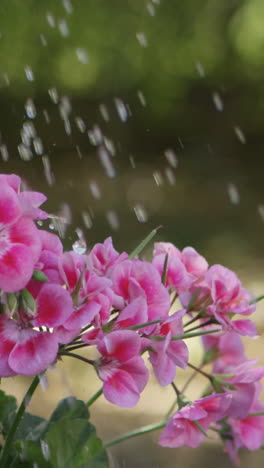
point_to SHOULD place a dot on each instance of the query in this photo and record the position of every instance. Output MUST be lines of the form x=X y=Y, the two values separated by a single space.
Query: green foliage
x=66 y=440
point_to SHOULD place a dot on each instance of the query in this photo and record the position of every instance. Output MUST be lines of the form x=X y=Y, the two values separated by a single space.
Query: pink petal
x=54 y=306
x=121 y=390
x=10 y=208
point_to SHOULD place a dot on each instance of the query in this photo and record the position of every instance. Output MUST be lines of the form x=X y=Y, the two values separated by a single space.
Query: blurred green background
x=131 y=114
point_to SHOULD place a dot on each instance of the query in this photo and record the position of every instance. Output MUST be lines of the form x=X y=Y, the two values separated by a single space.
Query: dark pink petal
x=25 y=232
x=122 y=345
x=251 y=431
x=82 y=316
x=16 y=268
x=134 y=314
x=33 y=352
x=8 y=337
x=121 y=389
x=10 y=208
x=54 y=306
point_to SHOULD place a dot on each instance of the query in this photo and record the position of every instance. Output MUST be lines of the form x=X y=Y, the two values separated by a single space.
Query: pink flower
x=183 y=427
x=177 y=276
x=132 y=279
x=121 y=368
x=104 y=257
x=228 y=348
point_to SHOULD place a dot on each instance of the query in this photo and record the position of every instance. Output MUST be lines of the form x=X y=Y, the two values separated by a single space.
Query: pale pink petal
x=10 y=208
x=54 y=306
x=121 y=390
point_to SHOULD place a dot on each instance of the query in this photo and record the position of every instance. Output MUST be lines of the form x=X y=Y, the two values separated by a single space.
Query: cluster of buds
x=132 y=311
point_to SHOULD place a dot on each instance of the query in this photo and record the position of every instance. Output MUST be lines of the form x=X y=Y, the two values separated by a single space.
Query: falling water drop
x=54 y=95
x=67 y=6
x=51 y=20
x=30 y=108
x=29 y=73
x=45 y=449
x=240 y=134
x=142 y=39
x=82 y=55
x=95 y=189
x=87 y=219
x=25 y=152
x=141 y=213
x=4 y=152
x=141 y=98
x=218 y=102
x=63 y=27
x=171 y=157
x=113 y=219
x=43 y=40
x=121 y=109
x=80 y=124
x=38 y=146
x=104 y=112
x=233 y=194
x=106 y=162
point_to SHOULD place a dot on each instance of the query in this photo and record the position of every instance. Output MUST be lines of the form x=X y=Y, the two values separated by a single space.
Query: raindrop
x=24 y=152
x=171 y=157
x=67 y=127
x=51 y=226
x=47 y=170
x=4 y=152
x=79 y=151
x=218 y=102
x=142 y=39
x=80 y=124
x=141 y=98
x=141 y=213
x=95 y=190
x=38 y=146
x=79 y=246
x=132 y=161
x=51 y=20
x=82 y=55
x=68 y=6
x=65 y=107
x=109 y=146
x=46 y=116
x=170 y=175
x=95 y=135
x=43 y=381
x=63 y=219
x=121 y=109
x=151 y=9
x=233 y=194
x=156 y=2
x=29 y=129
x=26 y=139
x=106 y=162
x=29 y=73
x=6 y=79
x=30 y=108
x=45 y=449
x=87 y=219
x=200 y=69
x=113 y=219
x=43 y=40
x=63 y=27
x=40 y=223
x=54 y=95
x=261 y=211
x=240 y=134
x=104 y=112
x=158 y=178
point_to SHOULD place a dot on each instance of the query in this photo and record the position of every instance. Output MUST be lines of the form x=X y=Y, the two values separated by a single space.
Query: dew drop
x=141 y=213
x=79 y=246
x=29 y=73
x=218 y=102
x=30 y=108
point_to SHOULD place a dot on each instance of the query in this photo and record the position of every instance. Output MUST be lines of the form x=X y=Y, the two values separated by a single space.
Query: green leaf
x=28 y=301
x=30 y=454
x=73 y=443
x=143 y=244
x=40 y=276
x=70 y=408
x=8 y=406
x=31 y=427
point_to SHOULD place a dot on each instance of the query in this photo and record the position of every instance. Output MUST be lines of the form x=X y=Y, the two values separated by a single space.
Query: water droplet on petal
x=79 y=246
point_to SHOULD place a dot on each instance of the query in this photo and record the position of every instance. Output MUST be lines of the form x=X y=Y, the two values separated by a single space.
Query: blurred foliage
x=158 y=45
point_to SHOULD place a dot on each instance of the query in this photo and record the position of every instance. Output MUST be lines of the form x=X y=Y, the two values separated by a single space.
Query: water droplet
x=79 y=151
x=106 y=162
x=158 y=178
x=218 y=102
x=87 y=219
x=40 y=223
x=171 y=157
x=200 y=69
x=67 y=127
x=29 y=73
x=104 y=112
x=142 y=39
x=45 y=449
x=261 y=211
x=30 y=108
x=109 y=146
x=46 y=116
x=79 y=246
x=38 y=146
x=80 y=124
x=82 y=55
x=113 y=219
x=4 y=152
x=43 y=381
x=43 y=40
x=121 y=109
x=240 y=134
x=141 y=213
x=151 y=9
x=24 y=152
x=95 y=190
x=51 y=20
x=47 y=170
x=54 y=95
x=132 y=161
x=233 y=193
x=6 y=79
x=68 y=6
x=170 y=175
x=95 y=135
x=51 y=226
x=65 y=107
x=141 y=98
x=29 y=129
x=63 y=27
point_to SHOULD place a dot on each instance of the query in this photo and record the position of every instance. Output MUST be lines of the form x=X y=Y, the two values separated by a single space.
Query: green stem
x=185 y=335
x=17 y=420
x=143 y=244
x=136 y=432
x=143 y=325
x=261 y=413
x=77 y=356
x=94 y=397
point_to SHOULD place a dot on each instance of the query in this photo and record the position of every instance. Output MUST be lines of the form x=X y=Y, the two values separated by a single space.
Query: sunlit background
x=131 y=114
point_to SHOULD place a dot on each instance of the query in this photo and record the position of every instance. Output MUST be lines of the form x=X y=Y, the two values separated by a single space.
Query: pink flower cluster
x=54 y=302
